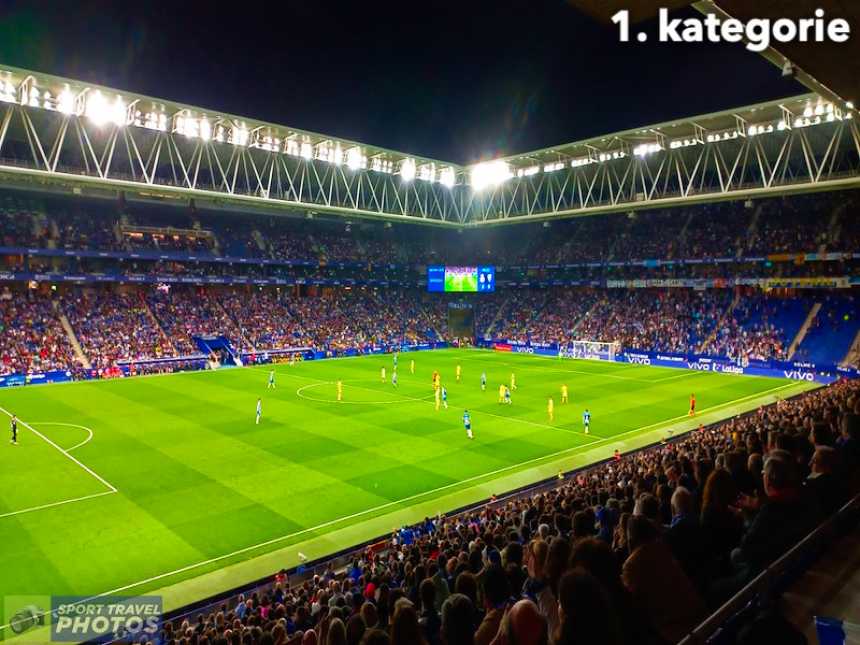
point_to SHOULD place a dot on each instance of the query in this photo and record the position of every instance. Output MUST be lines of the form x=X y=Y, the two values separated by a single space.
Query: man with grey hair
x=787 y=514
x=684 y=534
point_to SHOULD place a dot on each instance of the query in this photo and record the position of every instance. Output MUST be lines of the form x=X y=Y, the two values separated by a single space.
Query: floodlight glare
x=66 y=101
x=97 y=109
x=307 y=150
x=354 y=159
x=427 y=172
x=407 y=169
x=490 y=173
x=205 y=129
x=447 y=177
x=239 y=135
x=118 y=112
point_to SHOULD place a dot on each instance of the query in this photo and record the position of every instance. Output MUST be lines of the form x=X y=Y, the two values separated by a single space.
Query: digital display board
x=475 y=279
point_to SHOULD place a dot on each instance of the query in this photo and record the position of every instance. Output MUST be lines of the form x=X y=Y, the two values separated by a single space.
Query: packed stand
x=638 y=550
x=114 y=326
x=187 y=313
x=32 y=339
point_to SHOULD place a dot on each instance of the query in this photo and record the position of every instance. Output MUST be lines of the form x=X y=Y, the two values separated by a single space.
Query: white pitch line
x=375 y=509
x=65 y=452
x=68 y=425
x=60 y=503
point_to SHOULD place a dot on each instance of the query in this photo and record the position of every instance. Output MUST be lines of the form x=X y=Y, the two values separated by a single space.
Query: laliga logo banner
x=127 y=618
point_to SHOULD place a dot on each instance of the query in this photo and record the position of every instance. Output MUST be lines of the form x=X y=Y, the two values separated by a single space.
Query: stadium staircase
x=801 y=333
x=834 y=227
x=682 y=236
x=728 y=312
x=833 y=335
x=752 y=231
x=157 y=324
x=853 y=355
x=240 y=331
x=495 y=321
x=259 y=240
x=73 y=340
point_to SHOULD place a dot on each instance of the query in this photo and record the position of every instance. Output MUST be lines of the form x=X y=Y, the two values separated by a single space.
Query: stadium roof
x=72 y=134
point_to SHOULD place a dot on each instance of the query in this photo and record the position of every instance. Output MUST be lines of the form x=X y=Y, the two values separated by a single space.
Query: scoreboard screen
x=478 y=279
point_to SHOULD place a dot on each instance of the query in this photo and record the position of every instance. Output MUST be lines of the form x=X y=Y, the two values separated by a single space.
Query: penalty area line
x=60 y=503
x=65 y=452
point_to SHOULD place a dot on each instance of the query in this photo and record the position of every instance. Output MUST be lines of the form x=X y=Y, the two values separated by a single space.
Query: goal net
x=590 y=349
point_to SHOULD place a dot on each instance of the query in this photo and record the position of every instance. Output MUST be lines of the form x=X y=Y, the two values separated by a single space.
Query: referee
x=13 y=425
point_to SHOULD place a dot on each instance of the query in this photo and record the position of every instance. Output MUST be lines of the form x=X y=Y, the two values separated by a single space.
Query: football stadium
x=266 y=385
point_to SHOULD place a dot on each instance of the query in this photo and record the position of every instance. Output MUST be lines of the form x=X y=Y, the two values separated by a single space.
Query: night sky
x=457 y=81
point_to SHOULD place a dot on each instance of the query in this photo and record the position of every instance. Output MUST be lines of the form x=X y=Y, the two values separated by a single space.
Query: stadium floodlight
x=186 y=125
x=66 y=101
x=427 y=172
x=292 y=147
x=205 y=129
x=238 y=135
x=335 y=154
x=528 y=172
x=155 y=121
x=355 y=160
x=321 y=151
x=118 y=114
x=33 y=100
x=7 y=92
x=490 y=173
x=552 y=167
x=580 y=161
x=377 y=164
x=97 y=109
x=646 y=149
x=407 y=169
x=447 y=177
x=307 y=150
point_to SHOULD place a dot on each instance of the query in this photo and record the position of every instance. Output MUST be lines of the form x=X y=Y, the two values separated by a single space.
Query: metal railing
x=772 y=580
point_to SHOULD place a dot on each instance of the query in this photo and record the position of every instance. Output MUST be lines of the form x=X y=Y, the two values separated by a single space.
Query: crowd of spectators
x=749 y=332
x=161 y=322
x=779 y=225
x=637 y=550
x=113 y=326
x=32 y=339
x=676 y=320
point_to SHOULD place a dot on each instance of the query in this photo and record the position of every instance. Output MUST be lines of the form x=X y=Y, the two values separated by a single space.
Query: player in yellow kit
x=382 y=374
x=564 y=394
x=340 y=390
x=437 y=393
x=513 y=381
x=412 y=366
x=502 y=393
x=550 y=409
x=458 y=373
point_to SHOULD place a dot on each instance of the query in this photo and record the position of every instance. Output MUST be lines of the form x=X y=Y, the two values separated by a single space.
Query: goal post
x=596 y=350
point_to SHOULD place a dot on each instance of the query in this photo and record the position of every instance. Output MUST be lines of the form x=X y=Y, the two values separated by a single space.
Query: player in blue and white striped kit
x=467 y=424
x=259 y=411
x=586 y=419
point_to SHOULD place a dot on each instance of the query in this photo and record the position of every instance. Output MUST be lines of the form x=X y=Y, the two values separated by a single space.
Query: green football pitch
x=165 y=484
